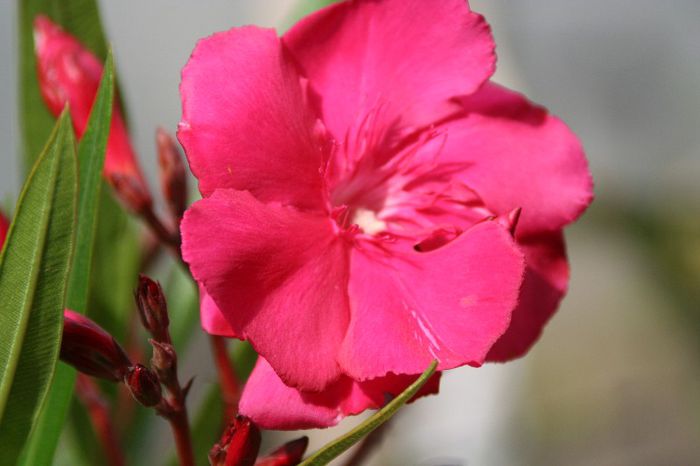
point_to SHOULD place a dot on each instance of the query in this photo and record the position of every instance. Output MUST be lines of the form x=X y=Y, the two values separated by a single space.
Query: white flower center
x=368 y=221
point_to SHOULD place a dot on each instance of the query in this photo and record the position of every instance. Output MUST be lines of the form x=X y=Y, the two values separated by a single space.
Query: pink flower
x=362 y=180
x=68 y=73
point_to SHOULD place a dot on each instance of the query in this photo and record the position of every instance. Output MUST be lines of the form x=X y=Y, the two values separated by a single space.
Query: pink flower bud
x=4 y=226
x=144 y=385
x=90 y=349
x=70 y=74
x=173 y=177
x=289 y=454
x=153 y=308
x=239 y=445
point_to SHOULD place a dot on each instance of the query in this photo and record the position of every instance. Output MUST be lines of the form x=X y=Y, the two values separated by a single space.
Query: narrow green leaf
x=34 y=270
x=91 y=156
x=79 y=17
x=332 y=450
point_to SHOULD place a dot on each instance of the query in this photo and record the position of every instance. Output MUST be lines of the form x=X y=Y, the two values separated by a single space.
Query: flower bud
x=173 y=176
x=289 y=454
x=131 y=192
x=4 y=226
x=68 y=73
x=90 y=349
x=153 y=308
x=144 y=385
x=164 y=360
x=239 y=445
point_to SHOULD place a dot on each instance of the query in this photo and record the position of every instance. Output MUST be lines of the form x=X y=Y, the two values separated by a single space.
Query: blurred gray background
x=615 y=379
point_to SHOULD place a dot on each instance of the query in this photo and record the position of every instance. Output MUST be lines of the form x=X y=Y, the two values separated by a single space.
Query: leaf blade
x=34 y=270
x=91 y=155
x=336 y=447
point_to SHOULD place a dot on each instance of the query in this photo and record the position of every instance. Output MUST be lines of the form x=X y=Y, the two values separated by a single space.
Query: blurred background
x=615 y=379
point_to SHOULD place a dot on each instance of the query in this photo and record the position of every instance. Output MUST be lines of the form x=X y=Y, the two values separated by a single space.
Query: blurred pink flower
x=69 y=73
x=4 y=226
x=362 y=180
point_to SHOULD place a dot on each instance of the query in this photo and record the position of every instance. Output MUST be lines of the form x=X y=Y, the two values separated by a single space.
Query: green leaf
x=79 y=17
x=34 y=270
x=335 y=448
x=91 y=156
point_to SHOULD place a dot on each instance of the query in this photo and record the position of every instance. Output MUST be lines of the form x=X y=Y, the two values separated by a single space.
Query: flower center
x=367 y=220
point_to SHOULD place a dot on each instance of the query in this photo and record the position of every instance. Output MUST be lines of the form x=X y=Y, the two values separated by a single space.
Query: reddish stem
x=168 y=237
x=89 y=395
x=230 y=387
x=181 y=431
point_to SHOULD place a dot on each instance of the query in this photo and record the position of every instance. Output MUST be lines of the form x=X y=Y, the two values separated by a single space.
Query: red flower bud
x=173 y=176
x=90 y=349
x=239 y=445
x=131 y=192
x=289 y=454
x=4 y=226
x=144 y=385
x=69 y=73
x=153 y=308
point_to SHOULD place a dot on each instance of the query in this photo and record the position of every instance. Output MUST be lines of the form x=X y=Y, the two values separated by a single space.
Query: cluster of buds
x=153 y=310
x=93 y=351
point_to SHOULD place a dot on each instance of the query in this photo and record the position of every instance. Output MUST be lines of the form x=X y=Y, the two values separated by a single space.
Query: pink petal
x=279 y=277
x=245 y=123
x=518 y=155
x=451 y=304
x=408 y=57
x=69 y=73
x=274 y=405
x=545 y=283
x=213 y=320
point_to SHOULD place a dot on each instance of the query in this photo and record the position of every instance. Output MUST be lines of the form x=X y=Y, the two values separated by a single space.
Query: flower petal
x=451 y=303
x=245 y=123
x=518 y=155
x=545 y=283
x=213 y=320
x=408 y=57
x=279 y=277
x=274 y=405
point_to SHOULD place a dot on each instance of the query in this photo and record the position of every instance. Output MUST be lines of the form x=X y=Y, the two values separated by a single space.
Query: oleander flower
x=69 y=73
x=371 y=202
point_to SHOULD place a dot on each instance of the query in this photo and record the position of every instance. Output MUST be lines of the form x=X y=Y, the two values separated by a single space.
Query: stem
x=89 y=395
x=367 y=446
x=166 y=236
x=230 y=387
x=181 y=431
